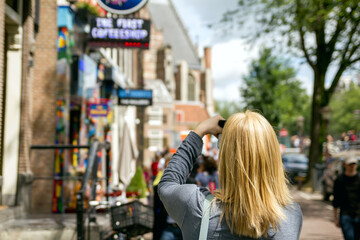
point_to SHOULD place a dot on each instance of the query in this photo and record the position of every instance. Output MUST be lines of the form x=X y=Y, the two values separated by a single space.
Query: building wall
x=165 y=69
x=166 y=127
x=27 y=78
x=150 y=56
x=2 y=62
x=44 y=103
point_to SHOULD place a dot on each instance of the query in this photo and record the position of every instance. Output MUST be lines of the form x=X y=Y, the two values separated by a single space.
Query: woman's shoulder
x=294 y=208
x=290 y=226
x=293 y=213
x=293 y=217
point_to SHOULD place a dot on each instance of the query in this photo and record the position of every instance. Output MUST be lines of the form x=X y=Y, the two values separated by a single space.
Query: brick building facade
x=44 y=104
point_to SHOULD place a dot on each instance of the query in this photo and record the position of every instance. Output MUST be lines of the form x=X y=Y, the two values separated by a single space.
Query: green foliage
x=343 y=105
x=326 y=32
x=138 y=184
x=227 y=108
x=271 y=89
x=92 y=10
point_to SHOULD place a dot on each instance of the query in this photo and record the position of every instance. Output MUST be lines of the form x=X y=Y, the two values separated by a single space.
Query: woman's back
x=252 y=200
x=184 y=202
x=288 y=229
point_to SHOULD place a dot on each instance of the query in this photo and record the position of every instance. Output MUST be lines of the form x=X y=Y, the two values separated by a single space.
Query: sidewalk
x=51 y=227
x=318 y=221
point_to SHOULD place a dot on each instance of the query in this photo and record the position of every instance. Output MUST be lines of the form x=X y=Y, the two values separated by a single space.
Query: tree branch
x=345 y=61
x=302 y=34
x=302 y=43
x=352 y=32
x=336 y=78
x=331 y=44
x=340 y=25
x=354 y=60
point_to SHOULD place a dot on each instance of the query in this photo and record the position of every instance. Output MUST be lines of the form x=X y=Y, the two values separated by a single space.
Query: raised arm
x=173 y=191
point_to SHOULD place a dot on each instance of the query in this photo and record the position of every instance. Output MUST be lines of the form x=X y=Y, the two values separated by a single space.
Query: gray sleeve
x=173 y=191
x=290 y=228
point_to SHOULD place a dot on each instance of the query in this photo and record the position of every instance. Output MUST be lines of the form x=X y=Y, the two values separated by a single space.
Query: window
x=191 y=88
x=155 y=140
x=180 y=116
x=155 y=115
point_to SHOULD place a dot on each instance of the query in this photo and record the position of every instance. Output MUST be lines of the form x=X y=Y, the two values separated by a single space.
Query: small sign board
x=283 y=132
x=98 y=110
x=135 y=97
x=119 y=32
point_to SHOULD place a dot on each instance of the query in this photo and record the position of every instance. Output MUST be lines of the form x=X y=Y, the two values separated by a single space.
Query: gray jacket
x=184 y=202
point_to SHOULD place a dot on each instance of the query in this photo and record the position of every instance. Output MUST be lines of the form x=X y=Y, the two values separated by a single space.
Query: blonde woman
x=252 y=202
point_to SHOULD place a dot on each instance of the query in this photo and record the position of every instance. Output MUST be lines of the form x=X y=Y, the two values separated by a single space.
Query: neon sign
x=120 y=32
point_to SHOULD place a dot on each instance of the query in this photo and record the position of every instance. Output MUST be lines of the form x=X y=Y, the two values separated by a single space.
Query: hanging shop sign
x=135 y=97
x=122 y=7
x=119 y=32
x=98 y=110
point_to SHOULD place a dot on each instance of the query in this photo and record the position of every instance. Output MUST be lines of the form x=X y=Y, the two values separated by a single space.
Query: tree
x=227 y=108
x=272 y=89
x=343 y=106
x=326 y=33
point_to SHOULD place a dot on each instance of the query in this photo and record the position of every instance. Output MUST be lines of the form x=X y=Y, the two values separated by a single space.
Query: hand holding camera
x=210 y=126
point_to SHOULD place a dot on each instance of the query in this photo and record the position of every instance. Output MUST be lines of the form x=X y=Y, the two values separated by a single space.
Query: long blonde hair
x=252 y=181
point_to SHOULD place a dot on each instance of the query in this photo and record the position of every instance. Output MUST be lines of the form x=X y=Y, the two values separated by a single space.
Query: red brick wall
x=44 y=105
x=2 y=55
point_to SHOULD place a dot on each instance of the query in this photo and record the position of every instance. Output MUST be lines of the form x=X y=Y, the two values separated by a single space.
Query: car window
x=295 y=159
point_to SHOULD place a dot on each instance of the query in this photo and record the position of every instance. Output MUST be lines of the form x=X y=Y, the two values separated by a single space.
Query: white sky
x=231 y=55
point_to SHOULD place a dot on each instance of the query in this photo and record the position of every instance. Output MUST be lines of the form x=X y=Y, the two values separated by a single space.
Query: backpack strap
x=205 y=217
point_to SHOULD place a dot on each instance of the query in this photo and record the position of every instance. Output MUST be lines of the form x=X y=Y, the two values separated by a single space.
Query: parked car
x=296 y=166
x=333 y=169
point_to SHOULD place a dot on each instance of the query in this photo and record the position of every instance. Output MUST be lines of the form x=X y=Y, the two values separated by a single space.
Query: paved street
x=318 y=218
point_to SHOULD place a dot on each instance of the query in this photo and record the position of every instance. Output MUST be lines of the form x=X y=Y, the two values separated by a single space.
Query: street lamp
x=326 y=113
x=356 y=116
x=300 y=123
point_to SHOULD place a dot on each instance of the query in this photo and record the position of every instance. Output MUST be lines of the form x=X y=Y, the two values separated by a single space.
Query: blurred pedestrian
x=345 y=145
x=331 y=149
x=252 y=201
x=155 y=164
x=351 y=135
x=347 y=199
x=207 y=174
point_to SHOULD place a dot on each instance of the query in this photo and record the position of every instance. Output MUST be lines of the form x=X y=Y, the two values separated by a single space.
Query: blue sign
x=135 y=97
x=122 y=7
